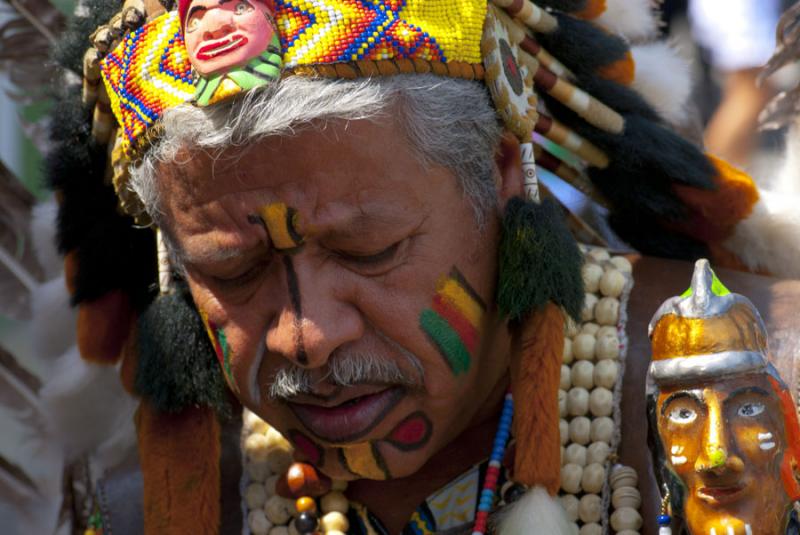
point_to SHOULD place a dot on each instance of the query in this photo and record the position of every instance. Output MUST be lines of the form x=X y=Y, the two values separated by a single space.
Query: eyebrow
x=195 y=9
x=679 y=395
x=749 y=390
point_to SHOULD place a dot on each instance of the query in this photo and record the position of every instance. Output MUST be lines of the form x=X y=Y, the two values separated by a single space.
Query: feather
x=19 y=269
x=633 y=19
x=535 y=513
x=664 y=79
x=786 y=105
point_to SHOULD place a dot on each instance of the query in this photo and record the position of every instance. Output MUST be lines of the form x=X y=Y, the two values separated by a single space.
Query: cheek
x=680 y=448
x=756 y=441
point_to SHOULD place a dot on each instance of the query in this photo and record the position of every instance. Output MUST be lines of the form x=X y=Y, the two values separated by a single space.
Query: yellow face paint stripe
x=364 y=460
x=281 y=222
x=454 y=293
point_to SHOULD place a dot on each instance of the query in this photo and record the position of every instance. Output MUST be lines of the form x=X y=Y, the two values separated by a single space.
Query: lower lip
x=349 y=422
x=215 y=50
x=718 y=495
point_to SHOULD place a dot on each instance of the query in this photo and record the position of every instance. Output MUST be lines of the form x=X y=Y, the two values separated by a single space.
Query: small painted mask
x=726 y=422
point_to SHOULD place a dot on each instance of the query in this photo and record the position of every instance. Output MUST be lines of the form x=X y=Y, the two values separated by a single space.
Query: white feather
x=769 y=239
x=664 y=79
x=43 y=225
x=535 y=513
x=54 y=323
x=79 y=392
x=633 y=19
x=787 y=179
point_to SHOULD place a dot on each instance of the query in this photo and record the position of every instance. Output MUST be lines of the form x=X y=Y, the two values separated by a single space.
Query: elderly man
x=362 y=243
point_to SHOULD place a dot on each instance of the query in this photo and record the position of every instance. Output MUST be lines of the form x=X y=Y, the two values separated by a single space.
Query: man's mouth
x=719 y=495
x=349 y=417
x=219 y=47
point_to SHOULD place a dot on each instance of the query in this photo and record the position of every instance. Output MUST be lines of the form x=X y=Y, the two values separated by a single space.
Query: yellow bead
x=305 y=505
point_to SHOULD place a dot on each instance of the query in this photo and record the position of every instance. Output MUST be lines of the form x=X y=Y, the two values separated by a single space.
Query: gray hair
x=448 y=122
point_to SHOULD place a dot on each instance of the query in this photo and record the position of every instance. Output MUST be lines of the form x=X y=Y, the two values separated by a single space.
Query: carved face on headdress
x=224 y=34
x=725 y=420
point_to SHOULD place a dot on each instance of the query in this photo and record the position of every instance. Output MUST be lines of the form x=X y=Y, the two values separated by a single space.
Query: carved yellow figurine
x=726 y=421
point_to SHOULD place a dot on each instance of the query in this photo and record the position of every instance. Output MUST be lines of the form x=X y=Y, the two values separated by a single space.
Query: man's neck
x=394 y=501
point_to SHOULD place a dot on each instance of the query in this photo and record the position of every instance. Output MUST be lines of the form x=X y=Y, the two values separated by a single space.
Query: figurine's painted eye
x=751 y=409
x=193 y=24
x=682 y=415
x=242 y=8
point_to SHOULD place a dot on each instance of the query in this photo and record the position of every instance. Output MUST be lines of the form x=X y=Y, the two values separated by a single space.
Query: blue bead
x=664 y=520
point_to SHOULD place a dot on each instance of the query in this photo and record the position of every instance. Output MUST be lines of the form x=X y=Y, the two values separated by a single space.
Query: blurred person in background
x=739 y=37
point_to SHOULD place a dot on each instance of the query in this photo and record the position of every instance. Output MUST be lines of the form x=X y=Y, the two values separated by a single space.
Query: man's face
x=725 y=440
x=313 y=256
x=222 y=34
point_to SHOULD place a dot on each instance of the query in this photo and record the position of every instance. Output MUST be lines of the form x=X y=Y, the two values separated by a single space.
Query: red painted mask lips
x=350 y=420
x=220 y=47
x=720 y=495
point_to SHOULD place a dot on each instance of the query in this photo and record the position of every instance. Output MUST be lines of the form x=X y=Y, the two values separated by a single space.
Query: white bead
x=623 y=476
x=589 y=303
x=622 y=264
x=254 y=423
x=612 y=283
x=590 y=328
x=582 y=374
x=634 y=532
x=279 y=460
x=570 y=504
x=270 y=485
x=591 y=529
x=567 y=356
x=626 y=497
x=257 y=520
x=594 y=476
x=578 y=402
x=279 y=530
x=605 y=374
x=580 y=430
x=563 y=453
x=257 y=470
x=257 y=447
x=334 y=521
x=590 y=508
x=626 y=518
x=607 y=311
x=293 y=528
x=562 y=404
x=570 y=327
x=602 y=430
x=276 y=440
x=583 y=346
x=607 y=330
x=571 y=475
x=277 y=510
x=337 y=532
x=591 y=274
x=601 y=402
x=563 y=429
x=607 y=348
x=598 y=255
x=255 y=496
x=566 y=377
x=575 y=454
x=334 y=502
x=597 y=452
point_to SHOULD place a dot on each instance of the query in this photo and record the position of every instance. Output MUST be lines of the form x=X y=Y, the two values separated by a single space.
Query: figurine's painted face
x=353 y=252
x=223 y=34
x=726 y=441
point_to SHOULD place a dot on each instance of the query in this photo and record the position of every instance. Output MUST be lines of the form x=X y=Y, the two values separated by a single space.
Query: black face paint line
x=297 y=307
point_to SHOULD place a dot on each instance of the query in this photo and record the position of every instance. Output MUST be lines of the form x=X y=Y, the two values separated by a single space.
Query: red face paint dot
x=412 y=433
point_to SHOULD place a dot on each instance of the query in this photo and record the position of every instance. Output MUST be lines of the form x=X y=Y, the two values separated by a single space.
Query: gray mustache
x=345 y=370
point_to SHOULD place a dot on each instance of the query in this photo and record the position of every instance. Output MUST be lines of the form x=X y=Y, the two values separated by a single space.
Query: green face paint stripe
x=447 y=340
x=226 y=352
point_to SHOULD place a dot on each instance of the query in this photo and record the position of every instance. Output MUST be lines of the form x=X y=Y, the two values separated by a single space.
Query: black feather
x=568 y=6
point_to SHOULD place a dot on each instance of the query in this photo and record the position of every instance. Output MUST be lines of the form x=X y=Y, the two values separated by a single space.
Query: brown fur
x=593 y=9
x=622 y=71
x=180 y=456
x=103 y=327
x=535 y=377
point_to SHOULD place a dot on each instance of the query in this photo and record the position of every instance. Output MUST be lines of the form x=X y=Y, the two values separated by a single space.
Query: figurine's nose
x=219 y=23
x=715 y=453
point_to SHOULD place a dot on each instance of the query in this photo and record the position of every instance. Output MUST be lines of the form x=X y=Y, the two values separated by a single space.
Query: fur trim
x=535 y=377
x=633 y=19
x=788 y=178
x=52 y=326
x=536 y=513
x=664 y=79
x=769 y=240
x=43 y=230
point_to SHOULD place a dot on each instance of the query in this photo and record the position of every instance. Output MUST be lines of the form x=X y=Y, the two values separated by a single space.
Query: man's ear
x=511 y=180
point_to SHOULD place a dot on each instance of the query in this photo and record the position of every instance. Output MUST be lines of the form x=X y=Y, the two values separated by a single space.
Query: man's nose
x=716 y=455
x=315 y=319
